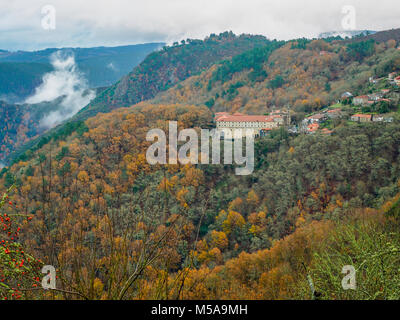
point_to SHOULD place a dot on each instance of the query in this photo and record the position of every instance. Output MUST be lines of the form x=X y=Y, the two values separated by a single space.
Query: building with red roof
x=220 y=114
x=255 y=123
x=327 y=131
x=361 y=100
x=361 y=117
x=312 y=128
x=334 y=113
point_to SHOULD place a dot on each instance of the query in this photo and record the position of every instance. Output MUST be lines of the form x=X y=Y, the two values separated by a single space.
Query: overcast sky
x=86 y=23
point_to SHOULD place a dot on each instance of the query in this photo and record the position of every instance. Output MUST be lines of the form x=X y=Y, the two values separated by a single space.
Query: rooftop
x=362 y=97
x=334 y=110
x=244 y=118
x=313 y=127
x=317 y=116
x=360 y=115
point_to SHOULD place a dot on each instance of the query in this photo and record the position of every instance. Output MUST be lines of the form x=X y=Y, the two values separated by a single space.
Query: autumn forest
x=83 y=198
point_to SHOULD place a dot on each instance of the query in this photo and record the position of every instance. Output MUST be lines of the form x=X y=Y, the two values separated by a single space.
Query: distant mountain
x=19 y=80
x=346 y=34
x=380 y=36
x=21 y=71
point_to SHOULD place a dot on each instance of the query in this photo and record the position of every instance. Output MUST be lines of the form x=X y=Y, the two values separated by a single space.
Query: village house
x=377 y=118
x=375 y=96
x=256 y=124
x=285 y=114
x=346 y=95
x=375 y=80
x=312 y=128
x=392 y=75
x=316 y=118
x=361 y=117
x=381 y=118
x=264 y=132
x=334 y=113
x=360 y=100
x=311 y=120
x=397 y=80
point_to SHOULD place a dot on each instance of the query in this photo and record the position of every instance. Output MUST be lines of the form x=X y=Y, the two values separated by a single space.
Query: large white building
x=257 y=124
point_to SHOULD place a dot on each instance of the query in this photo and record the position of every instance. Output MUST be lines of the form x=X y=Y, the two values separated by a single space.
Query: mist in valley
x=65 y=81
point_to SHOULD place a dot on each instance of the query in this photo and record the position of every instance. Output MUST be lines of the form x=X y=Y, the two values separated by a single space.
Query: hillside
x=94 y=190
x=163 y=69
x=302 y=76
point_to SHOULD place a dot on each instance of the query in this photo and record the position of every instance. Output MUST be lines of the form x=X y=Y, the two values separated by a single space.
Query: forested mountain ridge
x=163 y=69
x=302 y=75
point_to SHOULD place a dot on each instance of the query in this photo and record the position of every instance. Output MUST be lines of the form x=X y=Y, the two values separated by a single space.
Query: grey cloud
x=103 y=22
